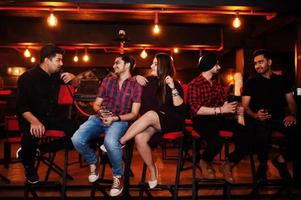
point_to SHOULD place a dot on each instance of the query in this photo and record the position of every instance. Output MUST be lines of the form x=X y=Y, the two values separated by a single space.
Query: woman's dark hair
x=165 y=67
x=49 y=51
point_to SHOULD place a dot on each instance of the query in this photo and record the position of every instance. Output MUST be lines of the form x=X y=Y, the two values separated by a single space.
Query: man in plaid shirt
x=210 y=110
x=118 y=102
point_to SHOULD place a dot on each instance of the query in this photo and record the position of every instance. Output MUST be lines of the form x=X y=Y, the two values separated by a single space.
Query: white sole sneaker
x=103 y=148
x=115 y=192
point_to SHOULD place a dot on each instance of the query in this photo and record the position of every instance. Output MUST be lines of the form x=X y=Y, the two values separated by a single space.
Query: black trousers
x=209 y=127
x=30 y=143
x=262 y=132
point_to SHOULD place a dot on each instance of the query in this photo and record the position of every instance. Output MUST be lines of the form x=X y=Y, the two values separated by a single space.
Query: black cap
x=207 y=62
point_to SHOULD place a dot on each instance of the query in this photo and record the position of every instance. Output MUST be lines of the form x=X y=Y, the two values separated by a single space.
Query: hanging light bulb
x=176 y=50
x=236 y=23
x=156 y=28
x=143 y=54
x=33 y=59
x=27 y=53
x=75 y=58
x=86 y=57
x=52 y=20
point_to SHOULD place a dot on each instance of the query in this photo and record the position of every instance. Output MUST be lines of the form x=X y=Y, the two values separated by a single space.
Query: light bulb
x=143 y=54
x=52 y=20
x=27 y=53
x=86 y=58
x=33 y=59
x=176 y=50
x=156 y=29
x=236 y=22
x=75 y=58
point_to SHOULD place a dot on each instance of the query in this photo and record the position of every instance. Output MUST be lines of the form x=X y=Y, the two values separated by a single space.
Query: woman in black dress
x=162 y=110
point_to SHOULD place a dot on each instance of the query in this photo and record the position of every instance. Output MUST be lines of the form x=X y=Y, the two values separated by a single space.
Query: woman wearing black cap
x=209 y=106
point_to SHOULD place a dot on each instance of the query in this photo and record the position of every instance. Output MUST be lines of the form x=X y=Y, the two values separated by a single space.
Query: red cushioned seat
x=224 y=133
x=277 y=134
x=188 y=121
x=173 y=135
x=54 y=133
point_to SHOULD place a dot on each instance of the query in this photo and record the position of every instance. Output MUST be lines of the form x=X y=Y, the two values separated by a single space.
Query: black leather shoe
x=282 y=169
x=261 y=174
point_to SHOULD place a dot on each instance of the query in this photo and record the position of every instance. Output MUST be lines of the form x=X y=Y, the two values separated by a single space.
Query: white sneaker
x=93 y=176
x=103 y=148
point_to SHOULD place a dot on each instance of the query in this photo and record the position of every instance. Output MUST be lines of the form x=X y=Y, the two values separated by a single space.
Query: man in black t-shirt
x=37 y=105
x=270 y=105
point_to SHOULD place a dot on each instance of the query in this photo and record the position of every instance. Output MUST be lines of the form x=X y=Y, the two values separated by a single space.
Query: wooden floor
x=80 y=188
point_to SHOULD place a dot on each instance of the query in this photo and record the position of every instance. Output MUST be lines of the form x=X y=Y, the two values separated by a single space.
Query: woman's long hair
x=165 y=67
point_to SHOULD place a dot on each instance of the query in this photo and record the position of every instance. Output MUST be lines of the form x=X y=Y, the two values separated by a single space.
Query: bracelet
x=214 y=110
x=119 y=119
x=175 y=94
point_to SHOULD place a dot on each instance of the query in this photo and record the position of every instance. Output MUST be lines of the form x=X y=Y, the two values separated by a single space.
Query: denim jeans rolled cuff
x=113 y=133
x=82 y=138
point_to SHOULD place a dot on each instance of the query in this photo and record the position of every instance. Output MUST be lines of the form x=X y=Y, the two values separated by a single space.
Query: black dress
x=171 y=117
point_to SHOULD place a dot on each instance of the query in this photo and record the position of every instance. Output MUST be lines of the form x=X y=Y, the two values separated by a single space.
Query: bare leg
x=141 y=141
x=149 y=119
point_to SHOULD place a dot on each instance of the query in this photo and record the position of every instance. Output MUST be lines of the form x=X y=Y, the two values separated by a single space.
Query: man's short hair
x=263 y=52
x=49 y=51
x=128 y=59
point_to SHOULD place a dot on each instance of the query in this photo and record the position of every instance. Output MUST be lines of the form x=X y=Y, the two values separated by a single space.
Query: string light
x=52 y=20
x=176 y=50
x=143 y=54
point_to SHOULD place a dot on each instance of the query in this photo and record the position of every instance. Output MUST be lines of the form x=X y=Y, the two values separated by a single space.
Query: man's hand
x=229 y=107
x=262 y=115
x=37 y=129
x=107 y=121
x=289 y=121
x=67 y=77
x=141 y=80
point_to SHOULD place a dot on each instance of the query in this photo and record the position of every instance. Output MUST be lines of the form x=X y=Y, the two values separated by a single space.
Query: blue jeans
x=90 y=130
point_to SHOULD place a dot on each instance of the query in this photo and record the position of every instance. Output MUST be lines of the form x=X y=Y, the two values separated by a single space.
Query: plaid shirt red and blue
x=119 y=101
x=202 y=93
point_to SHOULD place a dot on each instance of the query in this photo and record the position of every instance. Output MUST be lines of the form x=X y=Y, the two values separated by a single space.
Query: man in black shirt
x=270 y=105
x=37 y=108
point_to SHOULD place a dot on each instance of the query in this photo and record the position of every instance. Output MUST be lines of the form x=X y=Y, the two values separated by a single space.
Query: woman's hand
x=169 y=82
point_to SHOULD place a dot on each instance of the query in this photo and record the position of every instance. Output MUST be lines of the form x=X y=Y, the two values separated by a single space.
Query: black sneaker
x=282 y=169
x=31 y=175
x=261 y=174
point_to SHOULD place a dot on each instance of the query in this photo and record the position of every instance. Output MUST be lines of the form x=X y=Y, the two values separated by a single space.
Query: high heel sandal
x=154 y=183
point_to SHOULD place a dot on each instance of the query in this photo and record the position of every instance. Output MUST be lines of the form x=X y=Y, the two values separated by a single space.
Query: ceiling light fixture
x=27 y=53
x=236 y=23
x=156 y=28
x=86 y=57
x=143 y=54
x=52 y=19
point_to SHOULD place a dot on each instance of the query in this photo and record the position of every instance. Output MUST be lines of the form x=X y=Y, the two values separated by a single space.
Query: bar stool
x=49 y=161
x=285 y=185
x=102 y=184
x=173 y=189
x=196 y=137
